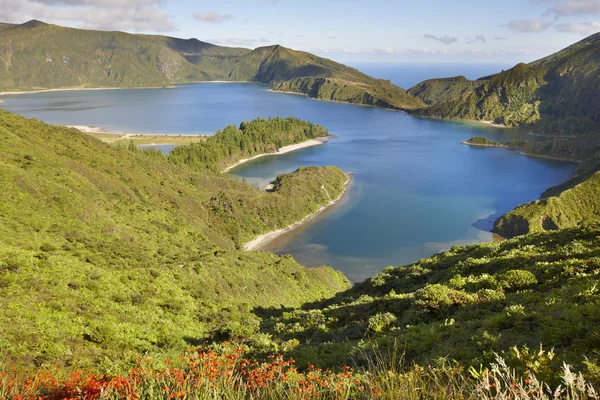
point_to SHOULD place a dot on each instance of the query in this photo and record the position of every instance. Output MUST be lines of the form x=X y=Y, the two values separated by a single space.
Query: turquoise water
x=416 y=190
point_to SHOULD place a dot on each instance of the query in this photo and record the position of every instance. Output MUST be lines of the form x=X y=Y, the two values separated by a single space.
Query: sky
x=443 y=31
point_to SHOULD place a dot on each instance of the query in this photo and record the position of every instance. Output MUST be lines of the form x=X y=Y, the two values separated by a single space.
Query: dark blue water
x=416 y=190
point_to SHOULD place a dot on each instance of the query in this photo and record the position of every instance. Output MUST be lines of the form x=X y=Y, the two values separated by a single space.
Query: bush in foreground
x=226 y=374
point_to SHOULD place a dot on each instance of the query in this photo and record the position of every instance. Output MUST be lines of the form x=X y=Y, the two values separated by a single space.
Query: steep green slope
x=466 y=304
x=107 y=254
x=556 y=95
x=301 y=72
x=577 y=205
x=37 y=55
x=508 y=98
x=435 y=91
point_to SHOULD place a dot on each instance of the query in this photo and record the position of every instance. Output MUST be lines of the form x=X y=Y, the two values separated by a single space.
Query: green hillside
x=36 y=55
x=467 y=304
x=555 y=95
x=435 y=91
x=320 y=78
x=572 y=207
x=40 y=56
x=107 y=254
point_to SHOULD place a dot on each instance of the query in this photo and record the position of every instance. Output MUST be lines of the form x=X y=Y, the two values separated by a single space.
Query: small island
x=481 y=141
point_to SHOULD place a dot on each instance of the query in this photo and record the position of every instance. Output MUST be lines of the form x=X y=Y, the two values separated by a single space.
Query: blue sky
x=379 y=30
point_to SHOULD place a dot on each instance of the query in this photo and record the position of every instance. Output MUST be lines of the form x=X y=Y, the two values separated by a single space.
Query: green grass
x=468 y=305
x=107 y=254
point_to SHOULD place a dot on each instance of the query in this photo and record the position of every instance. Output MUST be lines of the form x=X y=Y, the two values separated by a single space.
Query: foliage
x=554 y=95
x=433 y=91
x=572 y=207
x=107 y=253
x=467 y=305
x=226 y=374
x=232 y=144
x=377 y=93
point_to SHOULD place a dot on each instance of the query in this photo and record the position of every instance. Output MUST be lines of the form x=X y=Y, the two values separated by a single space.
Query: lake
x=416 y=189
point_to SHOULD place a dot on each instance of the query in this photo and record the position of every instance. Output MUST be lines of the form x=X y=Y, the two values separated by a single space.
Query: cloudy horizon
x=435 y=31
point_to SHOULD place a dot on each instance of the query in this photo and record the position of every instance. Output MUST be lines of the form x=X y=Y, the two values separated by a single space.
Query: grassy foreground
x=226 y=374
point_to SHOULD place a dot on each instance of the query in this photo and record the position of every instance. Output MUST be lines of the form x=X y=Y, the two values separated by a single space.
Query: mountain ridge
x=36 y=55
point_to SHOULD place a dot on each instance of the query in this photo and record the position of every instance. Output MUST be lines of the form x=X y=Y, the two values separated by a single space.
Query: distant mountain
x=301 y=72
x=36 y=55
x=434 y=91
x=555 y=95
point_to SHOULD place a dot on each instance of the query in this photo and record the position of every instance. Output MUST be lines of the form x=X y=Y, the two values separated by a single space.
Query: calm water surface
x=416 y=190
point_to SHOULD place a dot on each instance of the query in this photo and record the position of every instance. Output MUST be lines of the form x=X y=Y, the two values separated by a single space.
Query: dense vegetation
x=233 y=143
x=555 y=95
x=572 y=207
x=467 y=304
x=107 y=254
x=379 y=93
x=226 y=374
x=508 y=98
x=433 y=91
x=36 y=55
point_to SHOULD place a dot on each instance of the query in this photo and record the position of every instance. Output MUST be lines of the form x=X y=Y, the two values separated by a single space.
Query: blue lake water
x=416 y=190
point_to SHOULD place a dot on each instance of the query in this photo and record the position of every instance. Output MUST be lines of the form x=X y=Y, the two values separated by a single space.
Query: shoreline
x=523 y=153
x=393 y=109
x=153 y=139
x=266 y=238
x=74 y=89
x=283 y=150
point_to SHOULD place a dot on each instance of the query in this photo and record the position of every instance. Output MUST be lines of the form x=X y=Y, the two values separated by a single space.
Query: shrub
x=435 y=297
x=517 y=279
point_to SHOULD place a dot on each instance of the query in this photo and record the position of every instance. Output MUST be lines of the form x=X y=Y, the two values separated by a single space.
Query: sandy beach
x=140 y=138
x=283 y=150
x=263 y=239
x=491 y=123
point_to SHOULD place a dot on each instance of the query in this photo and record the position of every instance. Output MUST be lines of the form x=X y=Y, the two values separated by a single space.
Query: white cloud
x=212 y=17
x=442 y=39
x=528 y=25
x=585 y=29
x=127 y=15
x=235 y=41
x=574 y=7
x=477 y=38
